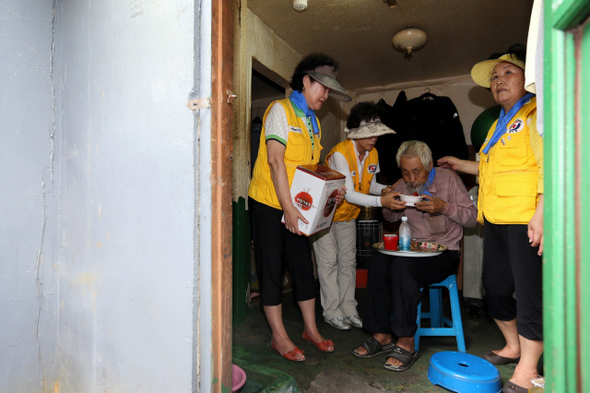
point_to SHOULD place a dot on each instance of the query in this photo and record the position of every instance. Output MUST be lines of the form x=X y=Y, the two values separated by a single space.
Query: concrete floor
x=340 y=371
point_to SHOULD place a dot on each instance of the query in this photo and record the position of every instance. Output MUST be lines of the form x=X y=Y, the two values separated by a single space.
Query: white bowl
x=410 y=198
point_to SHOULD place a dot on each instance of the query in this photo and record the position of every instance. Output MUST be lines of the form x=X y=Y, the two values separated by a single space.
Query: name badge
x=515 y=127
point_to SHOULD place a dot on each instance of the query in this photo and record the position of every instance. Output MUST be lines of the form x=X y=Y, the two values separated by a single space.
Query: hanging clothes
x=435 y=120
x=429 y=118
x=388 y=145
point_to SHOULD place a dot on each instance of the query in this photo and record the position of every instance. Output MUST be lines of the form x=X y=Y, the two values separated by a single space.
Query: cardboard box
x=314 y=190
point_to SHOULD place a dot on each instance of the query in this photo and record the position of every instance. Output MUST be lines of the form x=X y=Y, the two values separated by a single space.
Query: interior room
x=273 y=35
x=127 y=142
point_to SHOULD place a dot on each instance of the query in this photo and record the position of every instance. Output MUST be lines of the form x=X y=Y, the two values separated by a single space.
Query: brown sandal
x=497 y=360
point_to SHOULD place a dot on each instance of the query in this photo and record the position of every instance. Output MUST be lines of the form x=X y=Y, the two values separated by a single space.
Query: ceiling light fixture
x=391 y=3
x=409 y=40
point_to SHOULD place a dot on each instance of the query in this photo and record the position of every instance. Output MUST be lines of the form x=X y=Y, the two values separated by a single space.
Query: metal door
x=567 y=196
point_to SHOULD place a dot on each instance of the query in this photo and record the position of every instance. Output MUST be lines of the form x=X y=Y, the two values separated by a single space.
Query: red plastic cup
x=390 y=241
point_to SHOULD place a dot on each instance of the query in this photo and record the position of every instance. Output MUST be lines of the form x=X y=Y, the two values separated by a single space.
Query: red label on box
x=314 y=191
x=303 y=201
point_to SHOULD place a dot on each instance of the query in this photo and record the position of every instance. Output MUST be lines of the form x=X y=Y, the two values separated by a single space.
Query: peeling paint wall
x=29 y=192
x=127 y=206
x=269 y=49
x=98 y=198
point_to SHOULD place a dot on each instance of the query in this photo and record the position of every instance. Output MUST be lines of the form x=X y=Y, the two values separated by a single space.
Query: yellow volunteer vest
x=299 y=151
x=508 y=174
x=348 y=211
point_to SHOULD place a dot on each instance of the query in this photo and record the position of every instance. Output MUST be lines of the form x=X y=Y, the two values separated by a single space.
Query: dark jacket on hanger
x=388 y=145
x=435 y=121
x=428 y=118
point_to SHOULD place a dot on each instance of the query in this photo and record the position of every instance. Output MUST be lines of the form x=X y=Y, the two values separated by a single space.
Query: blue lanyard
x=299 y=100
x=503 y=121
x=429 y=181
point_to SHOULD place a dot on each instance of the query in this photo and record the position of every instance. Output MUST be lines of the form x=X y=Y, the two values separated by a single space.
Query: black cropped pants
x=513 y=278
x=393 y=288
x=276 y=248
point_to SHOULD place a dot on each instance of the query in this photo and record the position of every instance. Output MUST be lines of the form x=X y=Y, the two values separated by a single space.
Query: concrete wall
x=97 y=227
x=270 y=50
x=29 y=194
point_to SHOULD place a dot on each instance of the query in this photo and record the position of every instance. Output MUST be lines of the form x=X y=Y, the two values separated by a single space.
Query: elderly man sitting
x=394 y=283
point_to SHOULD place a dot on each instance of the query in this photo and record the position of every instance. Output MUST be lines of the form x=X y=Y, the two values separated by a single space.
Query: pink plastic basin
x=238 y=378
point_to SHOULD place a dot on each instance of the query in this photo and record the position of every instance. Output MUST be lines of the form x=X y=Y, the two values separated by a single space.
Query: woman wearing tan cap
x=335 y=248
x=510 y=206
x=292 y=137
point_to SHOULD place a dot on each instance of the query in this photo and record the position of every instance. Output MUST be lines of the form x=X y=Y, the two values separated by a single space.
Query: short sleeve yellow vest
x=508 y=174
x=348 y=211
x=299 y=151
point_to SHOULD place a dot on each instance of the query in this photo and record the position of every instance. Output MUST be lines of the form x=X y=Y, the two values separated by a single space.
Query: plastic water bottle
x=404 y=235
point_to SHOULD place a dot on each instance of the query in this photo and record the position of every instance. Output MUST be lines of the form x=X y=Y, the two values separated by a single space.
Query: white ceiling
x=358 y=34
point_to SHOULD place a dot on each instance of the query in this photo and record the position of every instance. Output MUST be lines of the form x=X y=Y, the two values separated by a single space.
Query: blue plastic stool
x=440 y=325
x=464 y=373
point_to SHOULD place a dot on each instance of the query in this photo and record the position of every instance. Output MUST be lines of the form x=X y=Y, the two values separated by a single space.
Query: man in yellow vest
x=335 y=248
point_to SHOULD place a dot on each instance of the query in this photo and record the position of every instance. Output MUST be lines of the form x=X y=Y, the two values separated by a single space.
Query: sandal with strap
x=497 y=360
x=374 y=348
x=511 y=387
x=326 y=345
x=294 y=355
x=406 y=357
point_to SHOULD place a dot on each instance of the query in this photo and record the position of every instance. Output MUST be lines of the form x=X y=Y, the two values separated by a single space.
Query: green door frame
x=567 y=196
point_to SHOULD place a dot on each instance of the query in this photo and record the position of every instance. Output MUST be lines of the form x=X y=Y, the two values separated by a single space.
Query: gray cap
x=326 y=75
